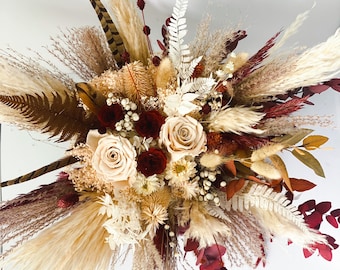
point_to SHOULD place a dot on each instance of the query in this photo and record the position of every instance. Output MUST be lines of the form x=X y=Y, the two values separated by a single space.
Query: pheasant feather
x=112 y=35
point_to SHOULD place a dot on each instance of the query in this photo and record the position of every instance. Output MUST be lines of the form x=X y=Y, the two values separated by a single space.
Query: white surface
x=30 y=23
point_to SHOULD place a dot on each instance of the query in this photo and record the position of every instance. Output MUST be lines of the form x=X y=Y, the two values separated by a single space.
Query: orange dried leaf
x=314 y=141
x=230 y=165
x=281 y=167
x=233 y=187
x=301 y=184
x=255 y=179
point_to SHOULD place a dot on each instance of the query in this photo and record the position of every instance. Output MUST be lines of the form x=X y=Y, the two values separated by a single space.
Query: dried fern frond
x=275 y=213
x=130 y=28
x=58 y=116
x=83 y=50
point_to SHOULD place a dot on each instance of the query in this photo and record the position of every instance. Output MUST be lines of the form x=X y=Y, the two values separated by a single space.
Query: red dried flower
x=149 y=124
x=108 y=116
x=151 y=162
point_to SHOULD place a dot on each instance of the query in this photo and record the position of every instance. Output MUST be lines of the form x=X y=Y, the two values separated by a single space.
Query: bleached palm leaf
x=200 y=86
x=274 y=212
x=179 y=52
x=187 y=69
x=216 y=211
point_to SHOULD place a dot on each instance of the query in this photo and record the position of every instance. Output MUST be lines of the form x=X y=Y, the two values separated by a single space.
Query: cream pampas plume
x=236 y=120
x=318 y=64
x=76 y=242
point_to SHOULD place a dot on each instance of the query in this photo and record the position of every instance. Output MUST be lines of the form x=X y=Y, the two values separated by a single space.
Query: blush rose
x=182 y=136
x=114 y=158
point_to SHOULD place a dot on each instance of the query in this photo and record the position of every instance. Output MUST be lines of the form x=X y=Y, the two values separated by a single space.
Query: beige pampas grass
x=76 y=242
x=279 y=75
x=84 y=51
x=235 y=120
x=130 y=29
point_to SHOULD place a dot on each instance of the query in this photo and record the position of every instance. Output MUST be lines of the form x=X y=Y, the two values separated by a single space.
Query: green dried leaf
x=309 y=160
x=292 y=139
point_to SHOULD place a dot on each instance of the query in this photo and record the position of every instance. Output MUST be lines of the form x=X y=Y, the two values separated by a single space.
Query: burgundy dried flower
x=141 y=4
x=151 y=162
x=149 y=124
x=68 y=200
x=108 y=116
x=146 y=30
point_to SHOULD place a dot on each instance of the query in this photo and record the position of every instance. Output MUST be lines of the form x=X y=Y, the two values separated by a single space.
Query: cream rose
x=114 y=158
x=182 y=136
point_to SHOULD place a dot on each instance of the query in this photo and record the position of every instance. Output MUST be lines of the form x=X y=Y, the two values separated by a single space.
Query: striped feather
x=112 y=35
x=41 y=171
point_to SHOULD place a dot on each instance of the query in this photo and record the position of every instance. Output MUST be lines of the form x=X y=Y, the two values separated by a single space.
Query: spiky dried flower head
x=235 y=120
x=132 y=81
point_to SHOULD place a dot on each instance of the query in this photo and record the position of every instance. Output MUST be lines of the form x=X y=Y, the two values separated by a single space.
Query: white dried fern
x=274 y=212
x=179 y=52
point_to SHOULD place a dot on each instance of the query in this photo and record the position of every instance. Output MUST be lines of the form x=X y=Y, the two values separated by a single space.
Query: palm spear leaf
x=58 y=116
x=112 y=35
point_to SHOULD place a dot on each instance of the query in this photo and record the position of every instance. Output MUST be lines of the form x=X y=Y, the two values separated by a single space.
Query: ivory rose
x=114 y=158
x=182 y=136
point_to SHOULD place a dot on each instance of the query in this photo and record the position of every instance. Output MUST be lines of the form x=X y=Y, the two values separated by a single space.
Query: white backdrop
x=30 y=23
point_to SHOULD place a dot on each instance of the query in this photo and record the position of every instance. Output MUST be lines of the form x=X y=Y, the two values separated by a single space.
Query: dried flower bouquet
x=172 y=152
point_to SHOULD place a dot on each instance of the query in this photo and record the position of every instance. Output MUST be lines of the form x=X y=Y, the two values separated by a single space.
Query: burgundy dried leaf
x=334 y=83
x=191 y=245
x=307 y=206
x=255 y=60
x=161 y=45
x=325 y=251
x=323 y=207
x=317 y=89
x=314 y=220
x=307 y=253
x=231 y=43
x=335 y=212
x=331 y=241
x=332 y=220
x=285 y=108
